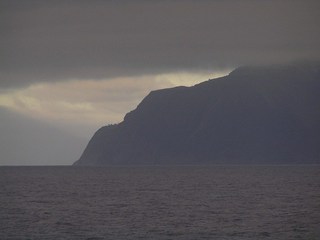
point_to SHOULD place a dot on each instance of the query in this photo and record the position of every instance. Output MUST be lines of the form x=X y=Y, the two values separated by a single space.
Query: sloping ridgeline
x=255 y=115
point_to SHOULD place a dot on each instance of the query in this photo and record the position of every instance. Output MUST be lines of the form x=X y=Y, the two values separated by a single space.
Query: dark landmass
x=255 y=115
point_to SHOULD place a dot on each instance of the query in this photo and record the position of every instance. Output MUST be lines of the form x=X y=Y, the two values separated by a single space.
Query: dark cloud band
x=42 y=41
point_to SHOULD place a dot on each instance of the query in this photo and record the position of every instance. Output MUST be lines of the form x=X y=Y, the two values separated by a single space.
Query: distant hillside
x=255 y=115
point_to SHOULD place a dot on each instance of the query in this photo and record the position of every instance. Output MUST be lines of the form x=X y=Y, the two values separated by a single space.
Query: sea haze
x=153 y=202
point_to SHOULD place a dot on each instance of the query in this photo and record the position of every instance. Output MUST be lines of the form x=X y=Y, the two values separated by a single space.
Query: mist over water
x=153 y=202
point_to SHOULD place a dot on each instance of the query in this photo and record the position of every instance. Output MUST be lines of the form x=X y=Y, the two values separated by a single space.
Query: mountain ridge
x=258 y=115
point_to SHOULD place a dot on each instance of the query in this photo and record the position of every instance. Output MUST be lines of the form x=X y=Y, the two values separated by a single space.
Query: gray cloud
x=59 y=40
x=26 y=141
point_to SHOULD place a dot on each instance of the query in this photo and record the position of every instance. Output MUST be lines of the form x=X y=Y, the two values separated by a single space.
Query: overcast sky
x=70 y=67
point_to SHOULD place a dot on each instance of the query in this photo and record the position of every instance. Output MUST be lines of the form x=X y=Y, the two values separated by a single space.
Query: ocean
x=160 y=202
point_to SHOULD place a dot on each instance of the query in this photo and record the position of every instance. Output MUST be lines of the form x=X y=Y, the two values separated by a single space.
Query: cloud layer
x=90 y=103
x=59 y=40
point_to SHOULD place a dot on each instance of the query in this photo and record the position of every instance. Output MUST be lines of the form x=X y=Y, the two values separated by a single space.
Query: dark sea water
x=193 y=202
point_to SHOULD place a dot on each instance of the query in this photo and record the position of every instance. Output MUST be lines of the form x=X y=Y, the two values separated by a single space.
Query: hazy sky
x=69 y=67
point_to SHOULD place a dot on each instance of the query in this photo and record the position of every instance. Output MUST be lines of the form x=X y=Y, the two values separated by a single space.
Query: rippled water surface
x=202 y=202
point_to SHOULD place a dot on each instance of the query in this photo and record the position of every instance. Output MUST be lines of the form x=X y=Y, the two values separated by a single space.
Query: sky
x=70 y=67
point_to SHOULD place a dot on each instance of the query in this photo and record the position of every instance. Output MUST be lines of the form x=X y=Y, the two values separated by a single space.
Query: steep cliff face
x=254 y=115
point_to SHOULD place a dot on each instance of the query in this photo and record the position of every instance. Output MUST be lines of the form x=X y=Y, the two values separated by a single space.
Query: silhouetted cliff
x=259 y=115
